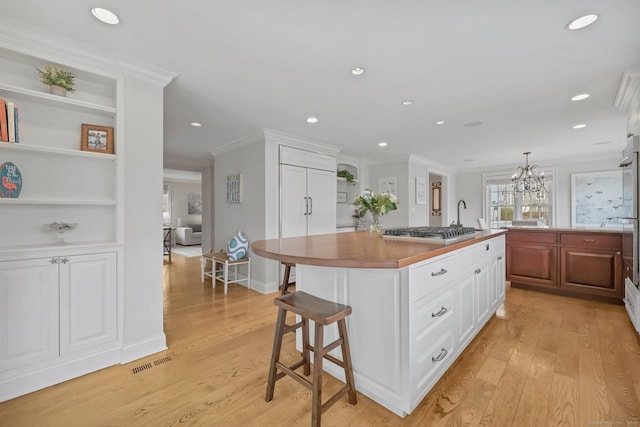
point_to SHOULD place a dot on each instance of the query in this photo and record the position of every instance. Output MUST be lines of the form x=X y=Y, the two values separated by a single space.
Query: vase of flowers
x=377 y=204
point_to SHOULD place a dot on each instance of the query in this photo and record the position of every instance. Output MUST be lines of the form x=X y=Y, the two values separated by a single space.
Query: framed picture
x=234 y=188
x=421 y=190
x=596 y=199
x=342 y=197
x=436 y=195
x=194 y=203
x=388 y=184
x=97 y=138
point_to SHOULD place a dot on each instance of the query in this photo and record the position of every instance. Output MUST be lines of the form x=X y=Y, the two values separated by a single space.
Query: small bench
x=220 y=270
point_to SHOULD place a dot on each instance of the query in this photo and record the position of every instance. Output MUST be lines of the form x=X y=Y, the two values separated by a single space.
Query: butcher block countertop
x=358 y=249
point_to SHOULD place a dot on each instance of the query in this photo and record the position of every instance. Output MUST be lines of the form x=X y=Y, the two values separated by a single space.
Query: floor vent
x=141 y=368
x=163 y=360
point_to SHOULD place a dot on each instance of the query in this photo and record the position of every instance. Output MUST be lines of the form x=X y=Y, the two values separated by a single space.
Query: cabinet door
x=293 y=201
x=28 y=312
x=466 y=311
x=497 y=280
x=532 y=264
x=592 y=271
x=321 y=190
x=483 y=294
x=88 y=315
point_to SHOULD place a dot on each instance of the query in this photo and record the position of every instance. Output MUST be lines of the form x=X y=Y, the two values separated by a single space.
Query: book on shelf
x=11 y=121
x=16 y=125
x=4 y=131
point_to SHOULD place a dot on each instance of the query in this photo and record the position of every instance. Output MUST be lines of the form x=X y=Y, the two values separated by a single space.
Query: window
x=166 y=204
x=503 y=205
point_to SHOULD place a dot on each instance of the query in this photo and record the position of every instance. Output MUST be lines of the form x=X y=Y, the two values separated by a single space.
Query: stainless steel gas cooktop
x=431 y=234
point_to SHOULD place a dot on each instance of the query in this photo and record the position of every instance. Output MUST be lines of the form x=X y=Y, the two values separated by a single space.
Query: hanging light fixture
x=526 y=178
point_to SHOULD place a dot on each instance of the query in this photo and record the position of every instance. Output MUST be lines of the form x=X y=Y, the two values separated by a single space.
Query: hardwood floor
x=543 y=360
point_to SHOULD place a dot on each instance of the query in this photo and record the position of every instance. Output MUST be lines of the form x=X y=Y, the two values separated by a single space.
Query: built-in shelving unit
x=60 y=181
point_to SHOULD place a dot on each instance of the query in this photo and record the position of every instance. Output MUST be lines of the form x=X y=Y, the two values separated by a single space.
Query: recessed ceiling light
x=382 y=144
x=440 y=122
x=582 y=21
x=473 y=124
x=580 y=97
x=196 y=124
x=407 y=102
x=105 y=16
x=358 y=71
x=580 y=126
x=312 y=120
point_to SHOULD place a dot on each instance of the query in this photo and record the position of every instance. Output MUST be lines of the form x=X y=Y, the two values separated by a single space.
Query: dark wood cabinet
x=564 y=262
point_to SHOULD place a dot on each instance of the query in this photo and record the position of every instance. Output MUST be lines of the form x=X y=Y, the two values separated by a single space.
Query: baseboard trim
x=38 y=379
x=264 y=288
x=131 y=352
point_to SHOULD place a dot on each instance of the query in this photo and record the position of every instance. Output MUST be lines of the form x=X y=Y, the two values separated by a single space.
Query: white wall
x=143 y=307
x=399 y=169
x=179 y=202
x=470 y=188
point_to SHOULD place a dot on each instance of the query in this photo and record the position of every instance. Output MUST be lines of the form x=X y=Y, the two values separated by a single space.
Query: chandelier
x=526 y=178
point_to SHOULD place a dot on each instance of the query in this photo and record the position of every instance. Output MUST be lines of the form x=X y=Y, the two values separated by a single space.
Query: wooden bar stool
x=323 y=313
x=285 y=278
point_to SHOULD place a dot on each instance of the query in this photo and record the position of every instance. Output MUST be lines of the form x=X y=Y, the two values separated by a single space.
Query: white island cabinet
x=409 y=324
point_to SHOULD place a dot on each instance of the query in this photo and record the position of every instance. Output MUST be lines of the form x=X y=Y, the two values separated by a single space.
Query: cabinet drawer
x=430 y=312
x=429 y=277
x=592 y=239
x=433 y=360
x=532 y=236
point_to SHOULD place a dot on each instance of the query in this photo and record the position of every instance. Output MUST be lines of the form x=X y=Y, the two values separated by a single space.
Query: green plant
x=377 y=204
x=54 y=76
x=343 y=173
x=359 y=213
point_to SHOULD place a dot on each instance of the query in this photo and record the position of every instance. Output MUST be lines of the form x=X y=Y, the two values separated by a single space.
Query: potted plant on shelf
x=377 y=204
x=59 y=81
x=343 y=173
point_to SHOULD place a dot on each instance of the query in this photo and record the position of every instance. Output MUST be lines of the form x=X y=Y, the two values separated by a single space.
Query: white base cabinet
x=59 y=318
x=409 y=325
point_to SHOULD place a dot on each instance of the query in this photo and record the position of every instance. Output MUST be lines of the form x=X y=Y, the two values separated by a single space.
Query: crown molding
x=628 y=91
x=29 y=40
x=277 y=137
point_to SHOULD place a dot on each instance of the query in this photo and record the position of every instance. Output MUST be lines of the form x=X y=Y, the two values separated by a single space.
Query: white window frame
x=550 y=175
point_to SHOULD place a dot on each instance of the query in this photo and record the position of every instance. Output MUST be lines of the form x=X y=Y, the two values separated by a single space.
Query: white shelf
x=339 y=178
x=57 y=101
x=27 y=201
x=55 y=150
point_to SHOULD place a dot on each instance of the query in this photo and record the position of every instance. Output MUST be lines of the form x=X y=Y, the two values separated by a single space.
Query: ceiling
x=251 y=64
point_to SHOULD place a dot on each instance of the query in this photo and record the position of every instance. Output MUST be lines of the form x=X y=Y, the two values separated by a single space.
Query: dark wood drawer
x=594 y=240
x=548 y=237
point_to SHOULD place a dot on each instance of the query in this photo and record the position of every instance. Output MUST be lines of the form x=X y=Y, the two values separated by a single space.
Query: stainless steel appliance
x=431 y=234
x=630 y=222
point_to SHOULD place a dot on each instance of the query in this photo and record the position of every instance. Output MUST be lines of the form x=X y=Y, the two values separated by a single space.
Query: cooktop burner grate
x=429 y=232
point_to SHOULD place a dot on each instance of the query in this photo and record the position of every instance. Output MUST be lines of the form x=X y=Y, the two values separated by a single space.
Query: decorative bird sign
x=10 y=180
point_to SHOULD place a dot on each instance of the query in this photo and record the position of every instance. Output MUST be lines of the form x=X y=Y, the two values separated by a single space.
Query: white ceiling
x=249 y=64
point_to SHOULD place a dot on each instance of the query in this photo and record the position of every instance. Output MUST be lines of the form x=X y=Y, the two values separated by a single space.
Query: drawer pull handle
x=439 y=273
x=442 y=311
x=442 y=355
x=478 y=271
x=589 y=240
x=500 y=258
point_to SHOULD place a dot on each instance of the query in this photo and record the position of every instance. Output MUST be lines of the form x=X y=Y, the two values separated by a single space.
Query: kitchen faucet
x=459 y=224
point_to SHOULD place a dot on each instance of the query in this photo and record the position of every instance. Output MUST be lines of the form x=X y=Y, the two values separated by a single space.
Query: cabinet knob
x=478 y=271
x=442 y=355
x=53 y=260
x=500 y=258
x=64 y=260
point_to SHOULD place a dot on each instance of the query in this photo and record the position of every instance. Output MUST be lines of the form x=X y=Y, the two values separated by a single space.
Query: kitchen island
x=416 y=305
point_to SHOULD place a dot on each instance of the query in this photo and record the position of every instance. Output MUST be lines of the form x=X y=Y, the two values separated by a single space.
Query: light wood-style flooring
x=541 y=361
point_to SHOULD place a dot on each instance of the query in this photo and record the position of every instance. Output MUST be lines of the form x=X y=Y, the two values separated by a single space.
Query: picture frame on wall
x=98 y=139
x=596 y=199
x=234 y=188
x=388 y=184
x=421 y=190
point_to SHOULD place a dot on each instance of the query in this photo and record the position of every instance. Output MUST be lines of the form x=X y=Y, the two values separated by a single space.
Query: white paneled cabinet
x=307 y=193
x=55 y=310
x=409 y=325
x=29 y=312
